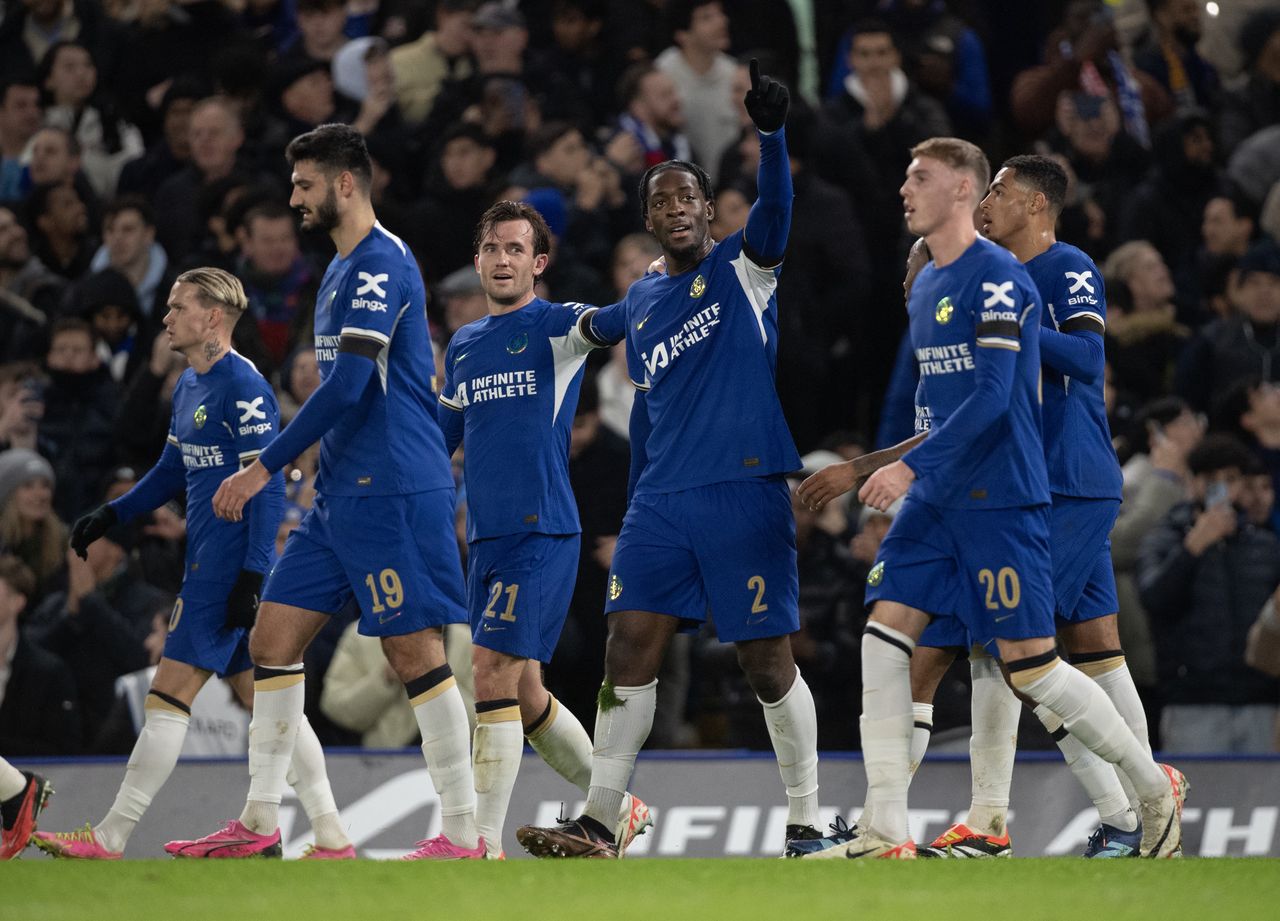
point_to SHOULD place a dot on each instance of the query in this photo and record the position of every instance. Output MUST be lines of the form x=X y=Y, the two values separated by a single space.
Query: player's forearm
x=1081 y=355
x=769 y=221
x=604 y=326
x=340 y=391
x=451 y=425
x=984 y=407
x=161 y=483
x=266 y=511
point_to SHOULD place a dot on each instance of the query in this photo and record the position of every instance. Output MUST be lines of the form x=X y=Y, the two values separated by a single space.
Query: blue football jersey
x=514 y=379
x=221 y=420
x=924 y=421
x=388 y=443
x=1077 y=439
x=703 y=346
x=982 y=300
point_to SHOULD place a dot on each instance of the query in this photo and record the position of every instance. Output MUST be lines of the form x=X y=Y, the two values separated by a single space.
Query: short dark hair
x=502 y=211
x=9 y=82
x=1231 y=403
x=693 y=169
x=269 y=210
x=679 y=13
x=1241 y=204
x=629 y=83
x=871 y=26
x=38 y=201
x=73 y=145
x=1044 y=175
x=547 y=136
x=17 y=576
x=1218 y=452
x=335 y=149
x=129 y=203
x=70 y=325
x=1159 y=412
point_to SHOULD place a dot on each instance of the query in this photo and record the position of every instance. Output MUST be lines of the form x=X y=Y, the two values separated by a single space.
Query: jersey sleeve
x=570 y=322
x=605 y=325
x=448 y=384
x=1008 y=304
x=1078 y=298
x=371 y=299
x=253 y=414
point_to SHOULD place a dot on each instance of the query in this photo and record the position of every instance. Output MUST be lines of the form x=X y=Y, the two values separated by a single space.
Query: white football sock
x=1118 y=685
x=993 y=740
x=621 y=731
x=921 y=732
x=150 y=763
x=793 y=728
x=495 y=759
x=442 y=720
x=310 y=781
x=12 y=780
x=278 y=697
x=1098 y=778
x=1091 y=717
x=886 y=728
x=564 y=745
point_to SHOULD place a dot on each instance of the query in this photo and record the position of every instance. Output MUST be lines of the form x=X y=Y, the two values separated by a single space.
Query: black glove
x=90 y=527
x=242 y=603
x=767 y=101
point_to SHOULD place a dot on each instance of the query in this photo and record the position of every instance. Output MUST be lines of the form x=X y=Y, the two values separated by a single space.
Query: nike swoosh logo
x=641 y=324
x=384 y=619
x=460 y=357
x=487 y=629
x=998 y=619
x=756 y=621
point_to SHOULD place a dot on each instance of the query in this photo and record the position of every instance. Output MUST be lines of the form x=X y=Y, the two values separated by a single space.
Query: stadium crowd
x=143 y=138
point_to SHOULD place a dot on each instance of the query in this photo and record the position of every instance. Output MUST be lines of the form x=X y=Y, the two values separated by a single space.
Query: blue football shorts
x=518 y=591
x=396 y=555
x=989 y=569
x=198 y=634
x=725 y=552
x=1084 y=582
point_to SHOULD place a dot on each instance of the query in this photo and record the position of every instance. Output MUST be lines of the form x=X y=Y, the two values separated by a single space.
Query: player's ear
x=540 y=263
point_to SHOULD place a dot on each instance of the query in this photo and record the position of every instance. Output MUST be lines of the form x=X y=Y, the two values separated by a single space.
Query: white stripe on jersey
x=999 y=342
x=245 y=455
x=757 y=284
x=567 y=356
x=452 y=404
x=404 y=250
x=382 y=356
x=173 y=440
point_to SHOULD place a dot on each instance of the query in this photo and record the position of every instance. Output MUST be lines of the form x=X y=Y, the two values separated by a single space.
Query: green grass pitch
x=644 y=890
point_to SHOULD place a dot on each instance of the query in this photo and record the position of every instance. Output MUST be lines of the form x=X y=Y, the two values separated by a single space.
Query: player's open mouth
x=678 y=230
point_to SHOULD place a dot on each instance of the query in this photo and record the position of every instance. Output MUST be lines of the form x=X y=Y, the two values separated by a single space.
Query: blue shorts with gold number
x=198 y=634
x=397 y=555
x=1084 y=582
x=518 y=591
x=987 y=568
x=724 y=552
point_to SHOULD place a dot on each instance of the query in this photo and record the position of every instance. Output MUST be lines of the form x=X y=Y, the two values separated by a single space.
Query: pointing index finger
x=754 y=68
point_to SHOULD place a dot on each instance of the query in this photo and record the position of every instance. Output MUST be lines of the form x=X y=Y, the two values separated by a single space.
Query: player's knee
x=768 y=666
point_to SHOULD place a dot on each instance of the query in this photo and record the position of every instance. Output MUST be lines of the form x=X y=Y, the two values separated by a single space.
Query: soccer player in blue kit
x=511 y=382
x=709 y=534
x=381 y=529
x=224 y=414
x=1020 y=212
x=972 y=539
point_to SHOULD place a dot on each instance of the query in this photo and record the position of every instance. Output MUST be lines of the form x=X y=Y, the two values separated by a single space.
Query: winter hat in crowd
x=19 y=466
x=348 y=66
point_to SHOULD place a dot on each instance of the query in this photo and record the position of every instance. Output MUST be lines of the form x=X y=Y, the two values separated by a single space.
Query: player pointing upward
x=709 y=534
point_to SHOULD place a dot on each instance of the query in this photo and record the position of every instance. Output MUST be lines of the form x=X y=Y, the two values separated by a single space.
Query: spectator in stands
x=1169 y=55
x=22 y=389
x=458 y=189
x=278 y=279
x=122 y=337
x=652 y=114
x=579 y=59
x=39 y=714
x=1166 y=209
x=362 y=694
x=216 y=138
x=31 y=27
x=1144 y=337
x=100 y=624
x=171 y=151
x=29 y=527
x=29 y=292
x=1239 y=346
x=69 y=80
x=299 y=378
x=424 y=65
x=142 y=423
x=55 y=157
x=60 y=219
x=80 y=406
x=1255 y=105
x=1083 y=55
x=703 y=74
x=462 y=299
x=1228 y=228
x=20 y=118
x=321 y=25
x=129 y=246
x=1156 y=478
x=1204 y=573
